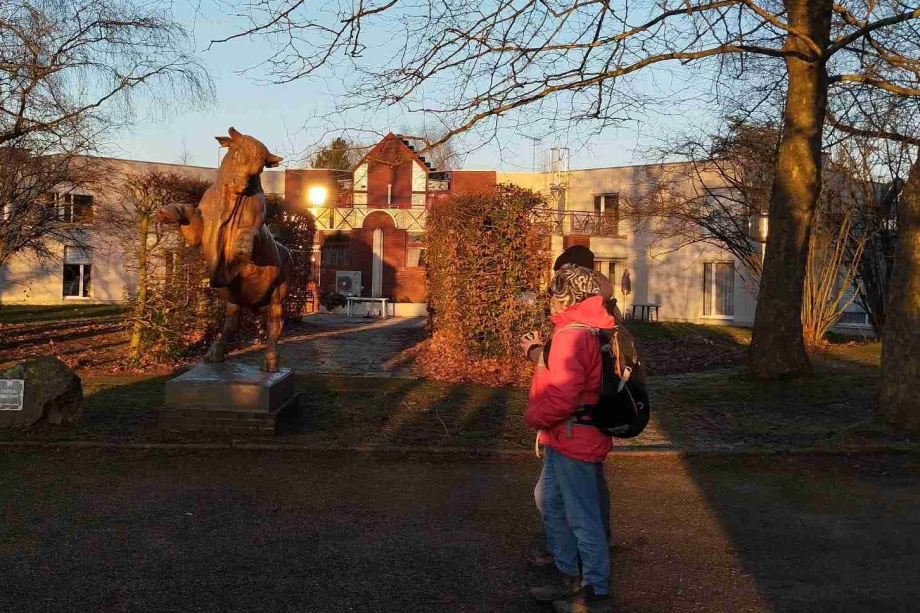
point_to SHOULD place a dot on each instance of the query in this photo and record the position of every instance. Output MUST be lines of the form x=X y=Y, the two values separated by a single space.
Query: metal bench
x=645 y=310
x=351 y=300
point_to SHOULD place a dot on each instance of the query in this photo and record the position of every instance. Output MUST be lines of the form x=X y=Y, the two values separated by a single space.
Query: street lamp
x=758 y=229
x=316 y=196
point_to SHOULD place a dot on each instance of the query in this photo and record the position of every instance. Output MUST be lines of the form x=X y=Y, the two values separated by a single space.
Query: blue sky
x=284 y=117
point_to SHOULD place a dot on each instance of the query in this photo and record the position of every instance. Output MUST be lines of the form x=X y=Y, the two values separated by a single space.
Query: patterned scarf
x=572 y=284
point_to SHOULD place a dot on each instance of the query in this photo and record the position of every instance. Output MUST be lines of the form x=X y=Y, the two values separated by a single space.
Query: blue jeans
x=603 y=494
x=568 y=497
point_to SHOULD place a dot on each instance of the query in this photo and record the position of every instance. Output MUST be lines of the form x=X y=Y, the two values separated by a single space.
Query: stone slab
x=230 y=386
x=43 y=389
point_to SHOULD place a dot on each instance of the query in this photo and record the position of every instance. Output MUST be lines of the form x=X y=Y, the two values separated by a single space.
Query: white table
x=351 y=300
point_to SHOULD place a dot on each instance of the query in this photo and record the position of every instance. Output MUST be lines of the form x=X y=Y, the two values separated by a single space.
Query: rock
x=53 y=393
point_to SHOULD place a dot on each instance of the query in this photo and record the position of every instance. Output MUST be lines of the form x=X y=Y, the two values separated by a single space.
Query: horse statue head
x=246 y=157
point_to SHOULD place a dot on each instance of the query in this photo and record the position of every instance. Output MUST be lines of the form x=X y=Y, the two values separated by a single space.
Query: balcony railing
x=584 y=223
x=554 y=222
x=352 y=218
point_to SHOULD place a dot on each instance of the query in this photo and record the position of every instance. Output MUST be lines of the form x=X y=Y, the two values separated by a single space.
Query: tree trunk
x=898 y=400
x=777 y=345
x=140 y=310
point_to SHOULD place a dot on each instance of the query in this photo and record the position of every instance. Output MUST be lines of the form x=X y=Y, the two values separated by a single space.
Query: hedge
x=485 y=258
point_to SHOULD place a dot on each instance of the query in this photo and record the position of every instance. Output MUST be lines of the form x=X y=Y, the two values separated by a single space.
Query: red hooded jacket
x=571 y=380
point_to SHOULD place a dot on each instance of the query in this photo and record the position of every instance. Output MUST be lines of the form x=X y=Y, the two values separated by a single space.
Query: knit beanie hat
x=572 y=284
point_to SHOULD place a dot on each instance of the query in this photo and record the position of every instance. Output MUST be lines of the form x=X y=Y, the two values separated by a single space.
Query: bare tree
x=728 y=177
x=472 y=65
x=897 y=399
x=839 y=234
x=68 y=72
x=42 y=201
x=185 y=156
x=441 y=157
x=876 y=266
x=884 y=107
x=709 y=198
x=128 y=220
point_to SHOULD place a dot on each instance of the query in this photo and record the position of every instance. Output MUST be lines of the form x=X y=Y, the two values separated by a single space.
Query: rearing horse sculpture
x=242 y=257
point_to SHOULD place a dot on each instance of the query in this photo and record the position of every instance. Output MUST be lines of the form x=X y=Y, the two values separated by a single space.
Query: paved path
x=335 y=344
x=94 y=530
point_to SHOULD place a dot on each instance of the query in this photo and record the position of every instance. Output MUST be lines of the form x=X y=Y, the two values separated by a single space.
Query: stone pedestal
x=227 y=397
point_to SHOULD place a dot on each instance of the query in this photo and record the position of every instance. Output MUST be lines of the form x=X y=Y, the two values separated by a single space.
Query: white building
x=94 y=273
x=695 y=283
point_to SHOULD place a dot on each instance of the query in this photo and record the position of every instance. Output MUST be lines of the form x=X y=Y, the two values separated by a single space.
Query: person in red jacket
x=562 y=384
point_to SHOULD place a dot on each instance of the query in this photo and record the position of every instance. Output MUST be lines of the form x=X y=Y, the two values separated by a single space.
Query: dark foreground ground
x=246 y=531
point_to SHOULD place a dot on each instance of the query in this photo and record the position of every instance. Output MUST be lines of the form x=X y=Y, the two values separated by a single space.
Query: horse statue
x=243 y=259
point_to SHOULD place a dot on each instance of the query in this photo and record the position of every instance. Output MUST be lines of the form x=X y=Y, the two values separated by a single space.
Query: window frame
x=619 y=266
x=608 y=216
x=342 y=255
x=710 y=290
x=84 y=276
x=66 y=206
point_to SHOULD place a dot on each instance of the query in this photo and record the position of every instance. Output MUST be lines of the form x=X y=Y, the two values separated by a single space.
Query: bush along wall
x=485 y=255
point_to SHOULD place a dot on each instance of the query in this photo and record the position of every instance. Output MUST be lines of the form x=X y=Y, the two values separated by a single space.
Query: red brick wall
x=360 y=258
x=378 y=176
x=378 y=219
x=402 y=186
x=395 y=243
x=391 y=164
x=411 y=285
x=472 y=180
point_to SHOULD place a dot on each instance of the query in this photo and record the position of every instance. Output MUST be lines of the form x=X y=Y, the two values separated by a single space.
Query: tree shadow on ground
x=820 y=532
x=378 y=413
x=813 y=532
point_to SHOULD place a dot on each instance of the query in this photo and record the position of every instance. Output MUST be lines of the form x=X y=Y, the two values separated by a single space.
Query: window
x=77 y=272
x=854 y=318
x=72 y=208
x=612 y=269
x=415 y=256
x=718 y=289
x=335 y=254
x=607 y=208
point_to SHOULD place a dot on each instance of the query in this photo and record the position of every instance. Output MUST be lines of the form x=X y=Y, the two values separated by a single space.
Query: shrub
x=331 y=300
x=484 y=253
x=295 y=232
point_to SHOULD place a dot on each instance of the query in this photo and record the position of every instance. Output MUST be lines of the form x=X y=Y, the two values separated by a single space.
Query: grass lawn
x=19 y=314
x=717 y=409
x=701 y=395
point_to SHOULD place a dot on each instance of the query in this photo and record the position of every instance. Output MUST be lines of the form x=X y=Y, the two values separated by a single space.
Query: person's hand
x=529 y=340
x=169 y=214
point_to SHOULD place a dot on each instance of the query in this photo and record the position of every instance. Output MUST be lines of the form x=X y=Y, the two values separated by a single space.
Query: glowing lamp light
x=759 y=227
x=316 y=195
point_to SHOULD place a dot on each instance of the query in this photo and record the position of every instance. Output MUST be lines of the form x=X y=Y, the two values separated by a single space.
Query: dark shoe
x=559 y=586
x=586 y=601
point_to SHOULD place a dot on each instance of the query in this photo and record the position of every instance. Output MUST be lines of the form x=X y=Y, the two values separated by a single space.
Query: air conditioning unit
x=348 y=282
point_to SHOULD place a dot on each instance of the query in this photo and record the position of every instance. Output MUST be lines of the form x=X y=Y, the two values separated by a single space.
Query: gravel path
x=334 y=344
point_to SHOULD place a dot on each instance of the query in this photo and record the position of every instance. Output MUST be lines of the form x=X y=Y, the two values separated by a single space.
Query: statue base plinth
x=227 y=397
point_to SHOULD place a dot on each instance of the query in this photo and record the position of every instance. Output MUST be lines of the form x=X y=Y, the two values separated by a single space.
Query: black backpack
x=623 y=409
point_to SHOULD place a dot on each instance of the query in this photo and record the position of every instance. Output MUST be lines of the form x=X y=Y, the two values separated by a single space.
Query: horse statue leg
x=274 y=318
x=274 y=323
x=218 y=350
